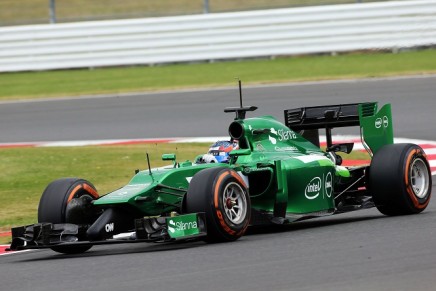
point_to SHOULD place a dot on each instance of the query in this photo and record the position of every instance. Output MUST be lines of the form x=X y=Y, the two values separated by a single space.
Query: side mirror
x=168 y=157
x=236 y=153
x=343 y=147
x=240 y=152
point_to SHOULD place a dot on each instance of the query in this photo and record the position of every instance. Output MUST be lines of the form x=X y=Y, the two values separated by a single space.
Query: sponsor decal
x=378 y=122
x=286 y=149
x=313 y=188
x=183 y=225
x=284 y=135
x=272 y=140
x=247 y=170
x=260 y=147
x=385 y=121
x=109 y=227
x=382 y=121
x=328 y=185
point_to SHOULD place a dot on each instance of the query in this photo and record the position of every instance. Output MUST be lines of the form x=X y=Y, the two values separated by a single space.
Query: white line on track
x=4 y=253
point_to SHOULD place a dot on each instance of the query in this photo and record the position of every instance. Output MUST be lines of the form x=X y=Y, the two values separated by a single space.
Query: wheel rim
x=235 y=203
x=419 y=178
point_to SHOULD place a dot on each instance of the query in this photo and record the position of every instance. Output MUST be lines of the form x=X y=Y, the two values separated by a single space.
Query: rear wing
x=376 y=128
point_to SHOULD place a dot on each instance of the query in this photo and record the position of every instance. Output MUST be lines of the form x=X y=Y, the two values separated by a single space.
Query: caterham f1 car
x=278 y=174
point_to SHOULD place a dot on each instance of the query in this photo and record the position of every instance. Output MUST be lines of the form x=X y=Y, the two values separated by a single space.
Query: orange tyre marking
x=90 y=190
x=406 y=177
x=218 y=212
x=407 y=182
x=84 y=186
x=224 y=224
x=217 y=186
x=239 y=178
x=77 y=188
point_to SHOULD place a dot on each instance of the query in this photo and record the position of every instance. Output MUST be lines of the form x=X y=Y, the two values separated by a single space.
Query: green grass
x=25 y=172
x=132 y=79
x=14 y=12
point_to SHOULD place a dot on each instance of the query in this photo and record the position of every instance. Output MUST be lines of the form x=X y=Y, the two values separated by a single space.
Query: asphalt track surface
x=363 y=250
x=200 y=113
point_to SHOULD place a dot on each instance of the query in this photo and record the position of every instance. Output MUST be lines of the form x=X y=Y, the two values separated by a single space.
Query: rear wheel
x=223 y=196
x=400 y=179
x=54 y=201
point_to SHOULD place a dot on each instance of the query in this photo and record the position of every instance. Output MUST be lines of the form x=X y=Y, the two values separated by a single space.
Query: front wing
x=152 y=229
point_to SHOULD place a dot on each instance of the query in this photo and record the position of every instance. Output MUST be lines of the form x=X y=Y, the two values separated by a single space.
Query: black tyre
x=53 y=204
x=222 y=194
x=400 y=179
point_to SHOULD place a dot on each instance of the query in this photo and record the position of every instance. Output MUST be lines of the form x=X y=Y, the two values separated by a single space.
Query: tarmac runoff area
x=428 y=146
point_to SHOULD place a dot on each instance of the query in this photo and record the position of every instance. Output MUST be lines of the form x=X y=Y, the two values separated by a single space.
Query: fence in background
x=13 y=12
x=205 y=6
x=208 y=37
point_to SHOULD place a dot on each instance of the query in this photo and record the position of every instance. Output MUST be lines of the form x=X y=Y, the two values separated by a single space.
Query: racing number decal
x=412 y=196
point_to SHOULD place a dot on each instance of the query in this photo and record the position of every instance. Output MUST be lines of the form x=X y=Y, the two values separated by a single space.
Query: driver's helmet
x=219 y=152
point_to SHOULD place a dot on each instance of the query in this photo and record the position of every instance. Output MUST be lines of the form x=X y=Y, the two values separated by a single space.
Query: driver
x=218 y=152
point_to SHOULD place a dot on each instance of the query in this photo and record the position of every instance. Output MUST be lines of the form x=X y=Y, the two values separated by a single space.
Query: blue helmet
x=220 y=151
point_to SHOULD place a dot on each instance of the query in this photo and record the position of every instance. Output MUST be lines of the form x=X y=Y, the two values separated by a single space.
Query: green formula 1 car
x=276 y=175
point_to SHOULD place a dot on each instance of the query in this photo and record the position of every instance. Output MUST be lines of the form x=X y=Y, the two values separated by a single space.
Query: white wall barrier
x=320 y=29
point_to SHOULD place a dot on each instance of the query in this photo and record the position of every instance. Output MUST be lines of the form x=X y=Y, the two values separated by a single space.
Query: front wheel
x=55 y=200
x=400 y=179
x=223 y=196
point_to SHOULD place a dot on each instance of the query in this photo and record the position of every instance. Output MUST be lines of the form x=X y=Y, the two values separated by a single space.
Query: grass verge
x=28 y=85
x=25 y=172
x=36 y=11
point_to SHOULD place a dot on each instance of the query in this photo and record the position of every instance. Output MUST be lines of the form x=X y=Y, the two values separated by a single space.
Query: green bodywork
x=287 y=175
x=377 y=129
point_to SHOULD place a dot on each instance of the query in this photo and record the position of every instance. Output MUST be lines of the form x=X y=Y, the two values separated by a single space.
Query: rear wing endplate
x=375 y=127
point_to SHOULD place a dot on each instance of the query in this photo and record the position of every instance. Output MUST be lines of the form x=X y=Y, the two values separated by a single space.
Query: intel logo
x=313 y=188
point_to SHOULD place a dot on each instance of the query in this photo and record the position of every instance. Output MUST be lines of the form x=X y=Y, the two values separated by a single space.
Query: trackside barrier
x=322 y=29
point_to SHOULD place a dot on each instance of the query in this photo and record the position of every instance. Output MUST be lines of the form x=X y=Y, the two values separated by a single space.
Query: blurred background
x=13 y=12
